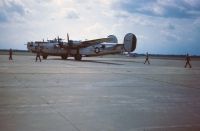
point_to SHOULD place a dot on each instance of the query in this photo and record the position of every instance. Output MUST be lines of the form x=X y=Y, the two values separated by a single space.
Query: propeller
x=60 y=43
x=58 y=39
x=67 y=38
x=70 y=42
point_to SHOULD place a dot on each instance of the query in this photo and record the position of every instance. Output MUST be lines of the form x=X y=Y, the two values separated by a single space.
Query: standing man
x=38 y=53
x=187 y=59
x=147 y=58
x=10 y=54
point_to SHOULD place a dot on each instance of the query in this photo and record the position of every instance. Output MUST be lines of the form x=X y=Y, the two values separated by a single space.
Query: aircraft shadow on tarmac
x=128 y=61
x=101 y=62
x=91 y=61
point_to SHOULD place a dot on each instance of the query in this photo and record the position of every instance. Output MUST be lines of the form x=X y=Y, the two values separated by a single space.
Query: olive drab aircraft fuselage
x=77 y=49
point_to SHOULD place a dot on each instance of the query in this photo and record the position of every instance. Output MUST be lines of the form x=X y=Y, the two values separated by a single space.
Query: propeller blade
x=67 y=38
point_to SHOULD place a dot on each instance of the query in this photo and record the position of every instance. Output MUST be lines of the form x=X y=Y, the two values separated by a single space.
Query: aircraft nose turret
x=29 y=46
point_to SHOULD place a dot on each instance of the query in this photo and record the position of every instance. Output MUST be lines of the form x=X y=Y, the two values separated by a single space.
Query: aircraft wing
x=87 y=43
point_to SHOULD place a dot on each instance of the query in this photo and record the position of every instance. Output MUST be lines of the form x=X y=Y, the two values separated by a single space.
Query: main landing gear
x=64 y=57
x=44 y=56
x=78 y=57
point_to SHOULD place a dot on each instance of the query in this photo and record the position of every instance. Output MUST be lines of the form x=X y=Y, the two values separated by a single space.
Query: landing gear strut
x=44 y=56
x=64 y=57
x=78 y=56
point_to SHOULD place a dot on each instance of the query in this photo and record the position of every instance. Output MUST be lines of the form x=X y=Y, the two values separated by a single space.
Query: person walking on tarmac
x=38 y=54
x=187 y=59
x=10 y=54
x=147 y=58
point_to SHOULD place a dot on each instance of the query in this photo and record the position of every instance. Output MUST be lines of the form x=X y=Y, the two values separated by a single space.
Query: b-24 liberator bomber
x=77 y=49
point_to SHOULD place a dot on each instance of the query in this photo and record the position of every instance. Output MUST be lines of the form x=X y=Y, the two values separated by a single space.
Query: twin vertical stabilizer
x=130 y=41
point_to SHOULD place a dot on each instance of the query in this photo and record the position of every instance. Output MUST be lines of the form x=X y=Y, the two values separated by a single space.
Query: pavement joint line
x=172 y=126
x=67 y=120
x=60 y=114
x=170 y=83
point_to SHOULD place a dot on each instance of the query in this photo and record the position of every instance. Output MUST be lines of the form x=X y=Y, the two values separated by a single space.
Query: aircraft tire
x=44 y=57
x=78 y=57
x=64 y=57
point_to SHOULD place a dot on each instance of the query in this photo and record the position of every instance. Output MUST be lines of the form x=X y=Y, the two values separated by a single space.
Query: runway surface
x=98 y=94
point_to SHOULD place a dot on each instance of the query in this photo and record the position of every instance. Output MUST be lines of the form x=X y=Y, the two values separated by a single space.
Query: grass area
x=15 y=52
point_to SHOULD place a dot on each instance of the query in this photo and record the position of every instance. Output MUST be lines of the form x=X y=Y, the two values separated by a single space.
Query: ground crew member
x=187 y=59
x=38 y=54
x=10 y=54
x=147 y=58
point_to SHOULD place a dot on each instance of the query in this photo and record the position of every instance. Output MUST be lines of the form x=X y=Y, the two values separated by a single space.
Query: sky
x=161 y=26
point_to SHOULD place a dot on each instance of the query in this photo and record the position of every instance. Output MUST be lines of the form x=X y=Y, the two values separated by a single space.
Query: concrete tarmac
x=98 y=94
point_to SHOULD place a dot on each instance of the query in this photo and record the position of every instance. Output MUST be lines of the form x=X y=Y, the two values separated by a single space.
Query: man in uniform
x=10 y=54
x=38 y=53
x=187 y=59
x=147 y=58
